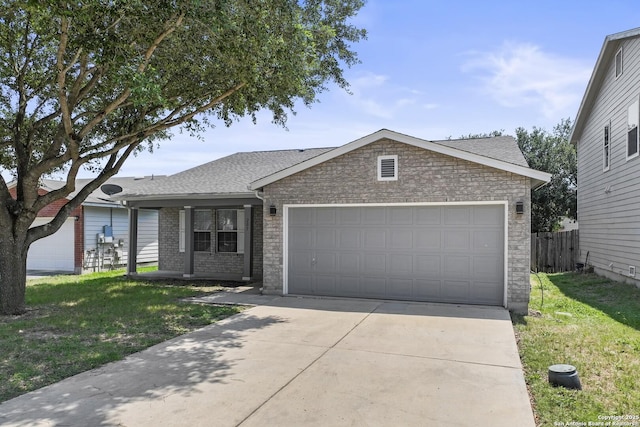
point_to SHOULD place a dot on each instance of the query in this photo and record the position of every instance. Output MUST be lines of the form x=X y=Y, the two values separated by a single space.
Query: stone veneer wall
x=171 y=259
x=423 y=176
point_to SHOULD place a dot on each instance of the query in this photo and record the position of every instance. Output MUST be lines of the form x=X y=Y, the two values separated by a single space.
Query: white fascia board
x=420 y=143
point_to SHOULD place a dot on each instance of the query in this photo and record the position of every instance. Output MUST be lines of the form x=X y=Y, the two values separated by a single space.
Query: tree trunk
x=13 y=274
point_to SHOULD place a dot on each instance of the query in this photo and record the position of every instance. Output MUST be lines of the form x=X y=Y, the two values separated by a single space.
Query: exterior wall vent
x=388 y=168
x=632 y=271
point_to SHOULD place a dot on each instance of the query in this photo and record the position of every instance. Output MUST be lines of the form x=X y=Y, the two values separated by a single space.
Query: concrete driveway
x=306 y=361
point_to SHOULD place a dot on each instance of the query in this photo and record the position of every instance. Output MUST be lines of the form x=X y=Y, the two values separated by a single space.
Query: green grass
x=76 y=323
x=591 y=323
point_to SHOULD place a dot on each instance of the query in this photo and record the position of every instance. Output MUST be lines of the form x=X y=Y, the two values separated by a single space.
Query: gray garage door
x=424 y=253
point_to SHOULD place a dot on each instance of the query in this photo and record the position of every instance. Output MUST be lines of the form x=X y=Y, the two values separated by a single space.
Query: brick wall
x=212 y=263
x=423 y=176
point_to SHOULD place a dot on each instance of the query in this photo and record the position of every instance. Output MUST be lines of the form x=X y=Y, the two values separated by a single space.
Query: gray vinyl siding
x=95 y=218
x=608 y=201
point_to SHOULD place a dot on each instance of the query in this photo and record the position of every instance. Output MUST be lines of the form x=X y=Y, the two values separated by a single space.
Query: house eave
x=183 y=196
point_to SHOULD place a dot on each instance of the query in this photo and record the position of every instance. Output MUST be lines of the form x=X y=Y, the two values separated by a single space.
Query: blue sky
x=434 y=70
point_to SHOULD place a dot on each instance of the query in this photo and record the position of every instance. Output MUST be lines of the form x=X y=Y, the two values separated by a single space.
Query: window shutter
x=240 y=242
x=387 y=168
x=181 y=231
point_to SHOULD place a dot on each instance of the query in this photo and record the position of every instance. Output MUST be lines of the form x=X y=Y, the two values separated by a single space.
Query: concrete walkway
x=305 y=361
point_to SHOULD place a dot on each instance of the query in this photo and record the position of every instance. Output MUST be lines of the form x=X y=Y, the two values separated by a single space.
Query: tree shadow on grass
x=176 y=369
x=620 y=301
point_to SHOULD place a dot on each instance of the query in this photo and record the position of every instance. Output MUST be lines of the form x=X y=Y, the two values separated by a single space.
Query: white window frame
x=633 y=117
x=395 y=168
x=618 y=70
x=239 y=231
x=606 y=147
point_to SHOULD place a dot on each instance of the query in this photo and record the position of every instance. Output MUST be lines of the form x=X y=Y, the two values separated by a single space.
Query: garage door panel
x=325 y=262
x=427 y=239
x=457 y=266
x=428 y=215
x=375 y=239
x=400 y=288
x=303 y=283
x=400 y=216
x=349 y=263
x=349 y=216
x=486 y=215
x=325 y=285
x=301 y=262
x=401 y=239
x=301 y=217
x=456 y=290
x=374 y=287
x=458 y=215
x=457 y=240
x=301 y=239
x=374 y=216
x=349 y=286
x=401 y=264
x=375 y=263
x=428 y=265
x=427 y=289
x=326 y=216
x=349 y=238
x=487 y=266
x=426 y=253
x=486 y=292
x=487 y=241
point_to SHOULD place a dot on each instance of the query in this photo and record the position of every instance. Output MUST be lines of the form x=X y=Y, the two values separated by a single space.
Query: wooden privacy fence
x=554 y=252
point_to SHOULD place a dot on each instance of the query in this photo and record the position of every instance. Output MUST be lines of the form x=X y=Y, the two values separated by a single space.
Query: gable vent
x=387 y=168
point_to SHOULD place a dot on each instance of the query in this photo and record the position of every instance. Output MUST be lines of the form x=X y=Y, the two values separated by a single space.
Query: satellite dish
x=110 y=189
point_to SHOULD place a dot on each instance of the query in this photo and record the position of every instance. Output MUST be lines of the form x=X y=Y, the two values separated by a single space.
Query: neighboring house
x=79 y=245
x=386 y=216
x=605 y=133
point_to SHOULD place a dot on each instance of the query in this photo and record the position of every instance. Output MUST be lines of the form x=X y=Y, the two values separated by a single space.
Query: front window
x=230 y=230
x=202 y=230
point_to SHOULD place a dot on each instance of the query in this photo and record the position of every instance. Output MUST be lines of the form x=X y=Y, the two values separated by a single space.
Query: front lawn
x=76 y=323
x=594 y=324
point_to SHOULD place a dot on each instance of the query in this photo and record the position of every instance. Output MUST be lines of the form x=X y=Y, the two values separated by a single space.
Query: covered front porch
x=203 y=239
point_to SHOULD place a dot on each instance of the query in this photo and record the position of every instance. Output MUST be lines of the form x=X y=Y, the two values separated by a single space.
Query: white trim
x=285 y=230
x=538 y=176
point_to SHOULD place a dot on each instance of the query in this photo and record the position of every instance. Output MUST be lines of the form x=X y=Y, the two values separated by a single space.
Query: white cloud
x=521 y=74
x=375 y=95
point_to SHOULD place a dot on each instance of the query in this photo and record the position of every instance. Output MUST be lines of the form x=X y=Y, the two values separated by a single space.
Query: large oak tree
x=84 y=84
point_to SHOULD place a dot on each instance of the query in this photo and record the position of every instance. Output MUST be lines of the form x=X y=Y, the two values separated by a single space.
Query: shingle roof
x=232 y=175
x=502 y=148
x=225 y=176
x=98 y=197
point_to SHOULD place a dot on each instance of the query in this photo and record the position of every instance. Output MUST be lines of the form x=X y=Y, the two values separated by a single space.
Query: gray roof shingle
x=504 y=148
x=225 y=176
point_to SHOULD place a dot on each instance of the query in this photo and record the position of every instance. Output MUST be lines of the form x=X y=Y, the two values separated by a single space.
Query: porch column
x=132 y=255
x=188 y=241
x=248 y=239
